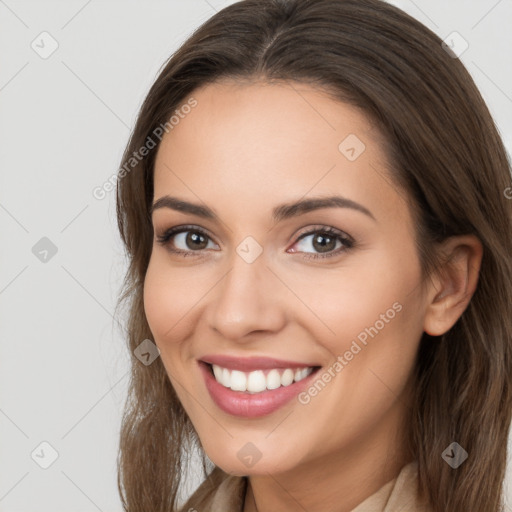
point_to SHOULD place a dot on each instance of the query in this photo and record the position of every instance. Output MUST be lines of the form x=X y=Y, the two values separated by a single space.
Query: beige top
x=219 y=493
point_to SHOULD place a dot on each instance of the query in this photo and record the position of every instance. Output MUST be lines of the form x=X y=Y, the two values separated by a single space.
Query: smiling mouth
x=259 y=381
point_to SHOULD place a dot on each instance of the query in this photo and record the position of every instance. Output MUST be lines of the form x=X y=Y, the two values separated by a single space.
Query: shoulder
x=219 y=492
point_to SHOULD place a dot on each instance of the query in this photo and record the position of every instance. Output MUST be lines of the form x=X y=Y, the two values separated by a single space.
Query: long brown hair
x=447 y=156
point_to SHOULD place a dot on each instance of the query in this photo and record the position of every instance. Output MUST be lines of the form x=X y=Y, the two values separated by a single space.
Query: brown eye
x=195 y=241
x=185 y=239
x=323 y=242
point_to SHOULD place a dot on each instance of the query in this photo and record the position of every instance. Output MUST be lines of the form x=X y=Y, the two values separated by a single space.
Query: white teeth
x=217 y=370
x=226 y=377
x=257 y=381
x=238 y=381
x=301 y=373
x=273 y=379
x=287 y=377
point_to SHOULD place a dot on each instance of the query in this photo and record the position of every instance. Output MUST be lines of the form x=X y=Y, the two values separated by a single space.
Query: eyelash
x=346 y=240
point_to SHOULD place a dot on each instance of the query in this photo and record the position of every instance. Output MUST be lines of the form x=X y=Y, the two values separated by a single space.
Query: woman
x=319 y=240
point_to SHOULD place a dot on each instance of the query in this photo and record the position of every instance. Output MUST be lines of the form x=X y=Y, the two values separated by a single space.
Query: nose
x=248 y=299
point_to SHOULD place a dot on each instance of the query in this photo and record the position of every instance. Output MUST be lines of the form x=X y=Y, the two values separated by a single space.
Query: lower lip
x=247 y=405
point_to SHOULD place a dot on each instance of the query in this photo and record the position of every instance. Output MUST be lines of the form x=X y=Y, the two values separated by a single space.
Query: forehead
x=288 y=118
x=252 y=144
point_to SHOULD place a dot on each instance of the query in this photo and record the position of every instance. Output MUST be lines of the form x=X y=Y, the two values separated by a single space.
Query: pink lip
x=248 y=405
x=249 y=364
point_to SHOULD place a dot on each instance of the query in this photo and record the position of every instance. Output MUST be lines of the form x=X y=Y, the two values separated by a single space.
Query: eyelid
x=347 y=242
x=322 y=228
x=175 y=230
x=346 y=239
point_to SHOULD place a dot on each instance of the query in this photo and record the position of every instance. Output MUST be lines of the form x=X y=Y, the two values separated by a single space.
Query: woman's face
x=262 y=289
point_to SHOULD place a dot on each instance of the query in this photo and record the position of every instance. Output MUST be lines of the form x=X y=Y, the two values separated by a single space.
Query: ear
x=453 y=284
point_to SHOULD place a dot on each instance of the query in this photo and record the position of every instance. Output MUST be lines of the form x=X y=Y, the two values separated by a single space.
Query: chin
x=237 y=466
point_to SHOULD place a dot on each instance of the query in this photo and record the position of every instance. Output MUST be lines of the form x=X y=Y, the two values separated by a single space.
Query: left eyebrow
x=279 y=213
x=287 y=210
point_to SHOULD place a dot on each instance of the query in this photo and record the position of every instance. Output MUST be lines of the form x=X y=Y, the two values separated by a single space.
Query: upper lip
x=249 y=364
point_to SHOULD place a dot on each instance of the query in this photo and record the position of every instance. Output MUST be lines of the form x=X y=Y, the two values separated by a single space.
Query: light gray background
x=64 y=122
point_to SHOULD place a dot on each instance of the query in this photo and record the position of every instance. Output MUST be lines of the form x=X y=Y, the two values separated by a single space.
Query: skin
x=242 y=151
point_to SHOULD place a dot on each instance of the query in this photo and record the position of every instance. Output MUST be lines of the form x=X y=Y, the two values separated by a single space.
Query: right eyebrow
x=184 y=206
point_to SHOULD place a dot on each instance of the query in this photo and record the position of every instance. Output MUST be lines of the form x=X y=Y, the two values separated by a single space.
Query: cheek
x=168 y=300
x=374 y=294
x=378 y=327
x=158 y=301
x=165 y=305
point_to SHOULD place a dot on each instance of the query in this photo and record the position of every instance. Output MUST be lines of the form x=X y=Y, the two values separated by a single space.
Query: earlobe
x=454 y=284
